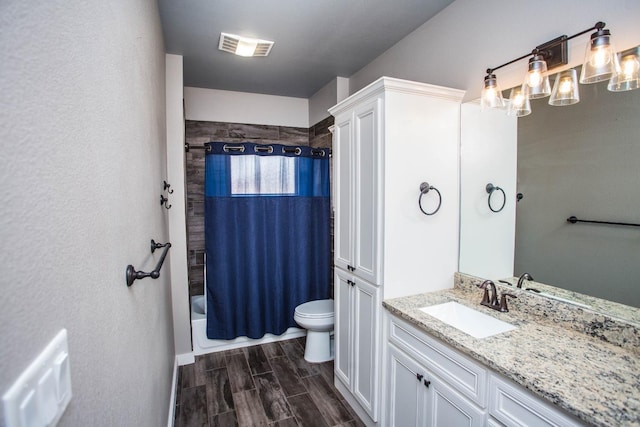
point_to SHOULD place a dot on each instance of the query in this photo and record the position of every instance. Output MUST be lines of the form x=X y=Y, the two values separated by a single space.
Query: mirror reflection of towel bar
x=573 y=220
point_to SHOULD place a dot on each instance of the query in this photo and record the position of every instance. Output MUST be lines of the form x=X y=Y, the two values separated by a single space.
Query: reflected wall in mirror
x=581 y=160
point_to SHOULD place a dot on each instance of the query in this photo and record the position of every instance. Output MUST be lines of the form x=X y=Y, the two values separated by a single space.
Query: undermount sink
x=468 y=320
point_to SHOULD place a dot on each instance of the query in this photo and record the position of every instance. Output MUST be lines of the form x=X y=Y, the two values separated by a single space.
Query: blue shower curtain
x=267 y=236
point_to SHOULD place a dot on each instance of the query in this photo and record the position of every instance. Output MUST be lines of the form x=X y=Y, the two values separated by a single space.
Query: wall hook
x=165 y=201
x=491 y=189
x=424 y=189
x=166 y=187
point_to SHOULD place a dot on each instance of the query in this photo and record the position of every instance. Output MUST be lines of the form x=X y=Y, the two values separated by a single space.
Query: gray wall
x=455 y=47
x=82 y=121
x=581 y=160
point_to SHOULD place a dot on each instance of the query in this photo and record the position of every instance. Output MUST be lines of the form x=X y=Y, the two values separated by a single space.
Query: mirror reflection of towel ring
x=491 y=189
x=424 y=189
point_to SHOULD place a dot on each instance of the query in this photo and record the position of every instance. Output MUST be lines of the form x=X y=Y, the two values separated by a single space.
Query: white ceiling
x=315 y=40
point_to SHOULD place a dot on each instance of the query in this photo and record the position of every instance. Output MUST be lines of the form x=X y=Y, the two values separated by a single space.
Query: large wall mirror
x=581 y=160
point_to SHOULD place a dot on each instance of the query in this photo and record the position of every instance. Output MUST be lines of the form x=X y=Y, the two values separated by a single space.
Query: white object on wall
x=215 y=105
x=43 y=391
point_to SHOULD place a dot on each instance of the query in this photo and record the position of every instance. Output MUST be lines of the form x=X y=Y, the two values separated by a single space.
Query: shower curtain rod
x=188 y=147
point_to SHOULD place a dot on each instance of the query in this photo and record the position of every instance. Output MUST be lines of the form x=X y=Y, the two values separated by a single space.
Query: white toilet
x=317 y=318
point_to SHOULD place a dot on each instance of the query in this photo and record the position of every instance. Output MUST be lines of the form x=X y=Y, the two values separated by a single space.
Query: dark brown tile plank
x=285 y=372
x=272 y=397
x=188 y=376
x=249 y=409
x=193 y=407
x=272 y=350
x=306 y=412
x=228 y=419
x=239 y=373
x=326 y=399
x=326 y=370
x=233 y=351
x=219 y=397
x=356 y=420
x=295 y=353
x=257 y=360
x=212 y=360
x=289 y=422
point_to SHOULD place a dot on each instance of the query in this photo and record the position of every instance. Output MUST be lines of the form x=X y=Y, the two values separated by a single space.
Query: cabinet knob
x=427 y=383
x=350 y=268
x=419 y=377
x=349 y=282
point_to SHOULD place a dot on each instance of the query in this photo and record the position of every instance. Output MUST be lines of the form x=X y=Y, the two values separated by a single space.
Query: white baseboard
x=174 y=392
x=186 y=358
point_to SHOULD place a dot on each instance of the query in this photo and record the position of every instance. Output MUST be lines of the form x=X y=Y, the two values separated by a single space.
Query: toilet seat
x=318 y=309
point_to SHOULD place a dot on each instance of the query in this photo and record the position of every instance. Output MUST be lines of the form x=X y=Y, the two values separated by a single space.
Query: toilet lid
x=316 y=309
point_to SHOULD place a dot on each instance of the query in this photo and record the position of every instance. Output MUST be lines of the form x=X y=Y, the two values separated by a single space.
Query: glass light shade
x=565 y=89
x=519 y=104
x=537 y=79
x=600 y=59
x=627 y=76
x=491 y=94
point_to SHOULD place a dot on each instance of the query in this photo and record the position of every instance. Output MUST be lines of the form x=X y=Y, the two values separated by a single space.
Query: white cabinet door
x=406 y=392
x=357 y=309
x=368 y=170
x=366 y=313
x=343 y=330
x=416 y=397
x=448 y=408
x=343 y=177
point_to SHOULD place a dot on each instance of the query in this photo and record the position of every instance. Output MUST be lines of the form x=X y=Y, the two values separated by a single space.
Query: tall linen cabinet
x=389 y=138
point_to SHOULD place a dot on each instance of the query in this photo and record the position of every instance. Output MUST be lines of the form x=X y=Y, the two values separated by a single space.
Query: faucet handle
x=503 y=301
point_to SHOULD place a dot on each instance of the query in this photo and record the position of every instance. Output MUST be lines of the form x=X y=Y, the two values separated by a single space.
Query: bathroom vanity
x=562 y=365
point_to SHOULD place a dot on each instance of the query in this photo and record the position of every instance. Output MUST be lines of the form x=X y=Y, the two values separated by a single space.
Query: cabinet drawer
x=467 y=376
x=515 y=406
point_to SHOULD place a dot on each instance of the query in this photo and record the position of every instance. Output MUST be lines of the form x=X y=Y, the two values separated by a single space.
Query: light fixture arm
x=563 y=39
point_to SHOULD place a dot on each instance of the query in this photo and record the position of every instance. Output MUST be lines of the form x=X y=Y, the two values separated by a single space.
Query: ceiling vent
x=244 y=46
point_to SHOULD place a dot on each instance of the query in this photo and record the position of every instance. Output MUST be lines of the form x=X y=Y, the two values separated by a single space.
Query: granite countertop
x=592 y=372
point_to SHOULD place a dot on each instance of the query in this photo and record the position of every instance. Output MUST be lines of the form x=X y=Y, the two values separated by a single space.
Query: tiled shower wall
x=199 y=132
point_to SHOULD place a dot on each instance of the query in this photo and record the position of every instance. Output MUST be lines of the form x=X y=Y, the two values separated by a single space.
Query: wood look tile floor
x=265 y=385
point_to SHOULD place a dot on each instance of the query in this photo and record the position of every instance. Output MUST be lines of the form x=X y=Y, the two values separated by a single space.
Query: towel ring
x=491 y=189
x=424 y=189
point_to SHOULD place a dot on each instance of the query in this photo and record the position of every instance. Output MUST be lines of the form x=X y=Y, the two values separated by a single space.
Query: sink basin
x=468 y=320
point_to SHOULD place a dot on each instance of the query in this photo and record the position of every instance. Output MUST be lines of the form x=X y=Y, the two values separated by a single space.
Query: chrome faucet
x=492 y=301
x=525 y=276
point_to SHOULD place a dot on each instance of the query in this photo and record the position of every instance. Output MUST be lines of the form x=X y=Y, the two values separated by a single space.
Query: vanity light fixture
x=537 y=78
x=601 y=63
x=519 y=104
x=491 y=93
x=600 y=59
x=565 y=89
x=244 y=46
x=628 y=77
